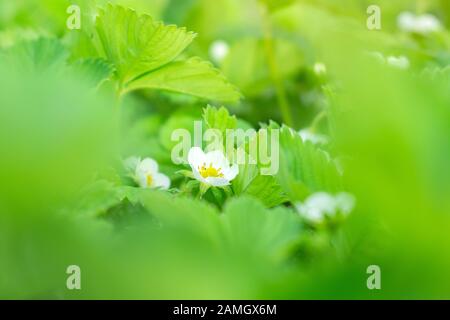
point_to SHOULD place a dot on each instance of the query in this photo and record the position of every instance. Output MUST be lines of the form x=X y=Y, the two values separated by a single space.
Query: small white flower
x=315 y=138
x=218 y=50
x=211 y=168
x=320 y=68
x=400 y=62
x=321 y=204
x=146 y=173
x=421 y=24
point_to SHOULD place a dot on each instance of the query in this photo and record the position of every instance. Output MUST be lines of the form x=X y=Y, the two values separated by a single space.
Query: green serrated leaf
x=304 y=167
x=247 y=173
x=136 y=44
x=93 y=70
x=267 y=190
x=252 y=229
x=218 y=118
x=194 y=76
x=251 y=180
x=189 y=214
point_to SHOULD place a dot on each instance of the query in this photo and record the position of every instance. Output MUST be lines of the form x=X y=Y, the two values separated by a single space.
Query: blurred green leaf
x=39 y=55
x=304 y=168
x=276 y=4
x=253 y=76
x=254 y=230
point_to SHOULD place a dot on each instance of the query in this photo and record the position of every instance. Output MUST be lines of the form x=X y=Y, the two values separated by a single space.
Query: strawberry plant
x=224 y=149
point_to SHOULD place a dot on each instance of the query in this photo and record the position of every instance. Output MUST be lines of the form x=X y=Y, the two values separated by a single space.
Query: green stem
x=273 y=68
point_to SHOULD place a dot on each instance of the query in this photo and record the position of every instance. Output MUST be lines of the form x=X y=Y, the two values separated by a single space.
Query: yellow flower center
x=210 y=171
x=149 y=180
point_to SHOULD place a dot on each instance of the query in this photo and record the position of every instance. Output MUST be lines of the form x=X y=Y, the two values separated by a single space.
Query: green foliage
x=82 y=110
x=276 y=4
x=93 y=70
x=219 y=119
x=265 y=188
x=193 y=76
x=258 y=231
x=253 y=77
x=244 y=227
x=144 y=51
x=50 y=55
x=135 y=43
x=39 y=55
x=305 y=168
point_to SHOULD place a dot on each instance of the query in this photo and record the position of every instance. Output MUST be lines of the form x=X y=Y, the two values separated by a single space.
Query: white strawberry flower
x=400 y=62
x=322 y=204
x=211 y=168
x=146 y=173
x=422 y=24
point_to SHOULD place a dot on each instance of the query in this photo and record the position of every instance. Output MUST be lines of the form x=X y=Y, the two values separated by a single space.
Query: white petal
x=406 y=21
x=147 y=165
x=401 y=62
x=345 y=202
x=161 y=181
x=310 y=213
x=319 y=204
x=141 y=179
x=427 y=23
x=423 y=24
x=196 y=157
x=217 y=182
x=315 y=214
x=231 y=172
x=217 y=159
x=323 y=201
x=198 y=176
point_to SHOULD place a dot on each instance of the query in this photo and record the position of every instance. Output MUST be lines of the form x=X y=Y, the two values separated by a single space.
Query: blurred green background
x=62 y=201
